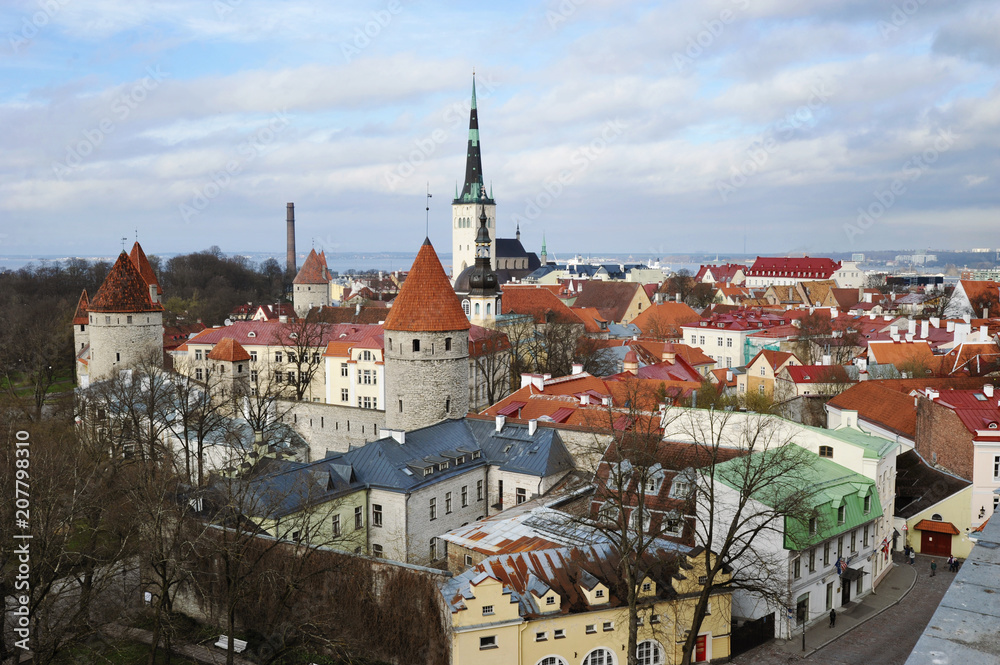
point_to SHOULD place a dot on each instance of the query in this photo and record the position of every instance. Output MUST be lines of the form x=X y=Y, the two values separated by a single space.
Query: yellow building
x=762 y=371
x=566 y=606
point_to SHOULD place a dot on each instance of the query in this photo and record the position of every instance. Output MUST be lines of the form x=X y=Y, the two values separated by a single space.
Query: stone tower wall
x=463 y=239
x=306 y=296
x=117 y=344
x=427 y=380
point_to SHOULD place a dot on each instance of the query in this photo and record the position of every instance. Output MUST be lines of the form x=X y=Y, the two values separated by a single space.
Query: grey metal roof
x=381 y=463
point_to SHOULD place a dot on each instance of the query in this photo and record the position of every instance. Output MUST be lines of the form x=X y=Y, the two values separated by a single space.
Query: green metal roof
x=875 y=447
x=833 y=486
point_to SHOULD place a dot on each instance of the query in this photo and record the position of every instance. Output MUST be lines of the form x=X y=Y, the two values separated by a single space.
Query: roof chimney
x=290 y=251
x=729 y=376
x=951 y=326
x=988 y=390
x=912 y=326
x=500 y=421
x=532 y=426
x=924 y=329
x=577 y=368
x=984 y=335
x=397 y=434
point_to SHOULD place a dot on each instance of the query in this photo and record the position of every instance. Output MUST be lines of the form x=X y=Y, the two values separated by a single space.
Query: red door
x=937 y=544
x=700 y=648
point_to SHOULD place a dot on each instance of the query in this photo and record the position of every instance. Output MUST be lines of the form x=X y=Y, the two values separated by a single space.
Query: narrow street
x=885 y=639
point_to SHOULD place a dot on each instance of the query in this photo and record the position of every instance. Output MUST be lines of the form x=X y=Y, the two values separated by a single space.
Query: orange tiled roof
x=540 y=303
x=80 y=317
x=901 y=353
x=426 y=301
x=313 y=270
x=591 y=318
x=229 y=350
x=881 y=405
x=142 y=263
x=124 y=290
x=664 y=320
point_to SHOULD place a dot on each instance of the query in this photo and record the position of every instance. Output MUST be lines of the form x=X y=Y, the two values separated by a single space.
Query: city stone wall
x=332 y=428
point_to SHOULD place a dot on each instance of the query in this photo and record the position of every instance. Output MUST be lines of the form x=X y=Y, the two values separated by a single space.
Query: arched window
x=465 y=307
x=552 y=660
x=937 y=518
x=477 y=309
x=600 y=656
x=649 y=653
x=826 y=451
x=488 y=309
x=447 y=343
x=416 y=345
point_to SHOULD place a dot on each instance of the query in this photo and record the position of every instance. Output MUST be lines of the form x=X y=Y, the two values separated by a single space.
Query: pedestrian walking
x=951 y=564
x=913 y=556
x=933 y=568
x=833 y=617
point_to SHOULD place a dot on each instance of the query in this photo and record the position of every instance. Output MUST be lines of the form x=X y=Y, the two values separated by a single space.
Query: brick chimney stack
x=290 y=266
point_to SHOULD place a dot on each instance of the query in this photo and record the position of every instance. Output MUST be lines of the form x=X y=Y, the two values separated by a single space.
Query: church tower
x=426 y=349
x=484 y=293
x=463 y=208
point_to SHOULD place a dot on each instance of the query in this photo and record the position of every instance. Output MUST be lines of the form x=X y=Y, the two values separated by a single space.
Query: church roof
x=229 y=350
x=426 y=301
x=80 y=317
x=313 y=270
x=124 y=290
x=142 y=263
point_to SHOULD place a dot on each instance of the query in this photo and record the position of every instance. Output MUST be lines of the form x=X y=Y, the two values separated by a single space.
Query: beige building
x=565 y=606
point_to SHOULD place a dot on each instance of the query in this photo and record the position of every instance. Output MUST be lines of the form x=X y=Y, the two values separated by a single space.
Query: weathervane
x=124 y=240
x=427 y=222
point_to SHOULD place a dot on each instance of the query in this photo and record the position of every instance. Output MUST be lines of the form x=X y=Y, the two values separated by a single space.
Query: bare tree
x=629 y=475
x=36 y=346
x=303 y=348
x=739 y=504
x=491 y=355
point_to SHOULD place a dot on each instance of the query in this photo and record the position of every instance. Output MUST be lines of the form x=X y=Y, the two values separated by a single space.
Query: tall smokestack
x=290 y=255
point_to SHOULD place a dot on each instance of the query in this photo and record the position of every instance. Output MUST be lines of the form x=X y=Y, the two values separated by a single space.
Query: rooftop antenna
x=427 y=222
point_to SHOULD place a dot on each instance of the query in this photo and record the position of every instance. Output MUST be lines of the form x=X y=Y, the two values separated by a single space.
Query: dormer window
x=826 y=451
x=428 y=471
x=841 y=514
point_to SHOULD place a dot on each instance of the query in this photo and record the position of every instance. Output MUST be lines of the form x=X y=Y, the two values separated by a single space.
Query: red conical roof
x=80 y=317
x=426 y=301
x=229 y=350
x=142 y=263
x=124 y=290
x=314 y=270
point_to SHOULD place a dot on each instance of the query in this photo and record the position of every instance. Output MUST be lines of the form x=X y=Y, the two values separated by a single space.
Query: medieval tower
x=311 y=286
x=464 y=213
x=426 y=349
x=125 y=319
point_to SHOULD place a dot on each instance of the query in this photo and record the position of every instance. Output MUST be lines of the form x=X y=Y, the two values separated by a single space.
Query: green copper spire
x=473 y=188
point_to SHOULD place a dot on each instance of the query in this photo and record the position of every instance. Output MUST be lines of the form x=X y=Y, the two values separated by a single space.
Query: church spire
x=473 y=188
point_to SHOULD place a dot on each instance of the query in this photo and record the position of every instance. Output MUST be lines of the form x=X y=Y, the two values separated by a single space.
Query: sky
x=781 y=126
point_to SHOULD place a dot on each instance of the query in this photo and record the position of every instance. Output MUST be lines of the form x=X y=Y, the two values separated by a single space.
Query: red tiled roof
x=80 y=317
x=539 y=303
x=124 y=290
x=313 y=270
x=142 y=263
x=805 y=267
x=228 y=350
x=426 y=301
x=591 y=318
